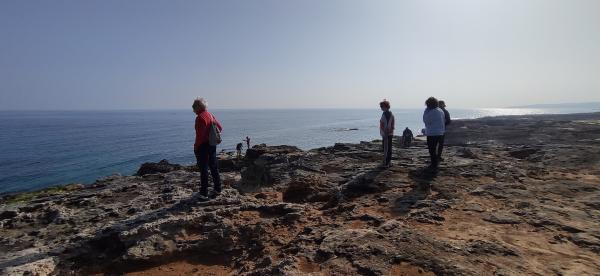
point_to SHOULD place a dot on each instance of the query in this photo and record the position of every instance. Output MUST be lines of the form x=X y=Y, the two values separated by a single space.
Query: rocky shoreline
x=515 y=195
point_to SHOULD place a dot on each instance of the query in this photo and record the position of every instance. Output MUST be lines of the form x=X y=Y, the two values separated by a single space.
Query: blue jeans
x=206 y=158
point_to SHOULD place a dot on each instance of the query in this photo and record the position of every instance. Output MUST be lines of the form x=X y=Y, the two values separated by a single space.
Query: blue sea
x=46 y=148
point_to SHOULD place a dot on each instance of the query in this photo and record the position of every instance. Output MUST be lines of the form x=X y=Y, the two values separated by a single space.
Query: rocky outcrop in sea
x=514 y=196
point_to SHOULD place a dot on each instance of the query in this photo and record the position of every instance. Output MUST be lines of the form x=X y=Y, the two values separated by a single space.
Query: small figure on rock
x=247 y=142
x=434 y=120
x=447 y=121
x=386 y=129
x=205 y=148
x=407 y=137
x=238 y=148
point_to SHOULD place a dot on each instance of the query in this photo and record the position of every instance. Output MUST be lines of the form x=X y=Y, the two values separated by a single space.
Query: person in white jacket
x=386 y=129
x=434 y=120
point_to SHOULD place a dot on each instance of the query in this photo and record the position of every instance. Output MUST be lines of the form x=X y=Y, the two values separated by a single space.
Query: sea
x=40 y=149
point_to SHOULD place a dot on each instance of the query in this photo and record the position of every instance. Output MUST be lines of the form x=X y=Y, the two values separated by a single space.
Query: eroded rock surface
x=514 y=196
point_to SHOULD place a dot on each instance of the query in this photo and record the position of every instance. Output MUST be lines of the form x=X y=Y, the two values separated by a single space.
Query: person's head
x=199 y=105
x=385 y=105
x=431 y=102
x=442 y=104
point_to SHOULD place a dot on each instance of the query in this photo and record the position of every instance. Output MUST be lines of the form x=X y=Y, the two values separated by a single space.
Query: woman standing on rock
x=386 y=129
x=434 y=120
x=206 y=154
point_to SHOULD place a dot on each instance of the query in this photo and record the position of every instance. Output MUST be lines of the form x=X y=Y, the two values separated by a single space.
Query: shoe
x=215 y=195
x=201 y=197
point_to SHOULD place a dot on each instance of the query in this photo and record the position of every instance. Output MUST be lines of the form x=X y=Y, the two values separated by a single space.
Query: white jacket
x=434 y=120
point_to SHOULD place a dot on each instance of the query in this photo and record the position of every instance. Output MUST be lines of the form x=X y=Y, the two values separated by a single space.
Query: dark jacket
x=447 y=117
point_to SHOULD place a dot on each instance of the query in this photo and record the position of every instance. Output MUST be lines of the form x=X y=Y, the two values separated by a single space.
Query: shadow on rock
x=407 y=201
x=423 y=176
x=360 y=185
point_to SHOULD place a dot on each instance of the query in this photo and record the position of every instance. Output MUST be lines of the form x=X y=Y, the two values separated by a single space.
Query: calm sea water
x=41 y=149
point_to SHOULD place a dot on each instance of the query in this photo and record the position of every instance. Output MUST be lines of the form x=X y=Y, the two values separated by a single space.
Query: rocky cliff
x=514 y=196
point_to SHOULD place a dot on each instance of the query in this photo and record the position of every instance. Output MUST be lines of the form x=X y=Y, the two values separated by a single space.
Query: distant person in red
x=206 y=155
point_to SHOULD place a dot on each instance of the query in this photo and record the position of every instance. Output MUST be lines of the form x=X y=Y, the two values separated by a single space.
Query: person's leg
x=431 y=141
x=440 y=147
x=213 y=164
x=388 y=158
x=201 y=160
x=385 y=149
x=436 y=143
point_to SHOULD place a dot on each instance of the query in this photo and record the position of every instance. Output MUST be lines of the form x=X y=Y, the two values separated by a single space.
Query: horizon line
x=542 y=105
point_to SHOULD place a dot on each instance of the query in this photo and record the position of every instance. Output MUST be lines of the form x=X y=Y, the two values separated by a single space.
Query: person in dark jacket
x=407 y=137
x=447 y=121
x=206 y=155
x=238 y=148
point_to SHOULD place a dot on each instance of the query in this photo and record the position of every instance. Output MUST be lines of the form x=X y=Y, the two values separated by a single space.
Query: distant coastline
x=585 y=105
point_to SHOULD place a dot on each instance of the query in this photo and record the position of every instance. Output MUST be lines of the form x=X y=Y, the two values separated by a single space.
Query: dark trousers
x=206 y=158
x=406 y=141
x=387 y=149
x=440 y=147
x=435 y=145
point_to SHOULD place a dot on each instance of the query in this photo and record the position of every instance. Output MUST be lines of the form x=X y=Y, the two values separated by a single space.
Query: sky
x=147 y=54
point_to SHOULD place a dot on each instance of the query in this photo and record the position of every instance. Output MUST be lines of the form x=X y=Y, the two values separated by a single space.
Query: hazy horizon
x=267 y=54
x=533 y=106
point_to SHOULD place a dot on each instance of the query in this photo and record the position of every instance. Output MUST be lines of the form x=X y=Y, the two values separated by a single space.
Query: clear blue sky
x=295 y=54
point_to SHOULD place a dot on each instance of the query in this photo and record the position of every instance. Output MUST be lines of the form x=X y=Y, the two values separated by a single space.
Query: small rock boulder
x=310 y=188
x=8 y=214
x=161 y=167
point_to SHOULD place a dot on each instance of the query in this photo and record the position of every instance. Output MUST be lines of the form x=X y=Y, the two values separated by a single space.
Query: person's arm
x=393 y=124
x=426 y=121
x=198 y=127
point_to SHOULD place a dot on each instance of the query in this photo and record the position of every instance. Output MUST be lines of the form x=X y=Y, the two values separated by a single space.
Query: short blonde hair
x=199 y=104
